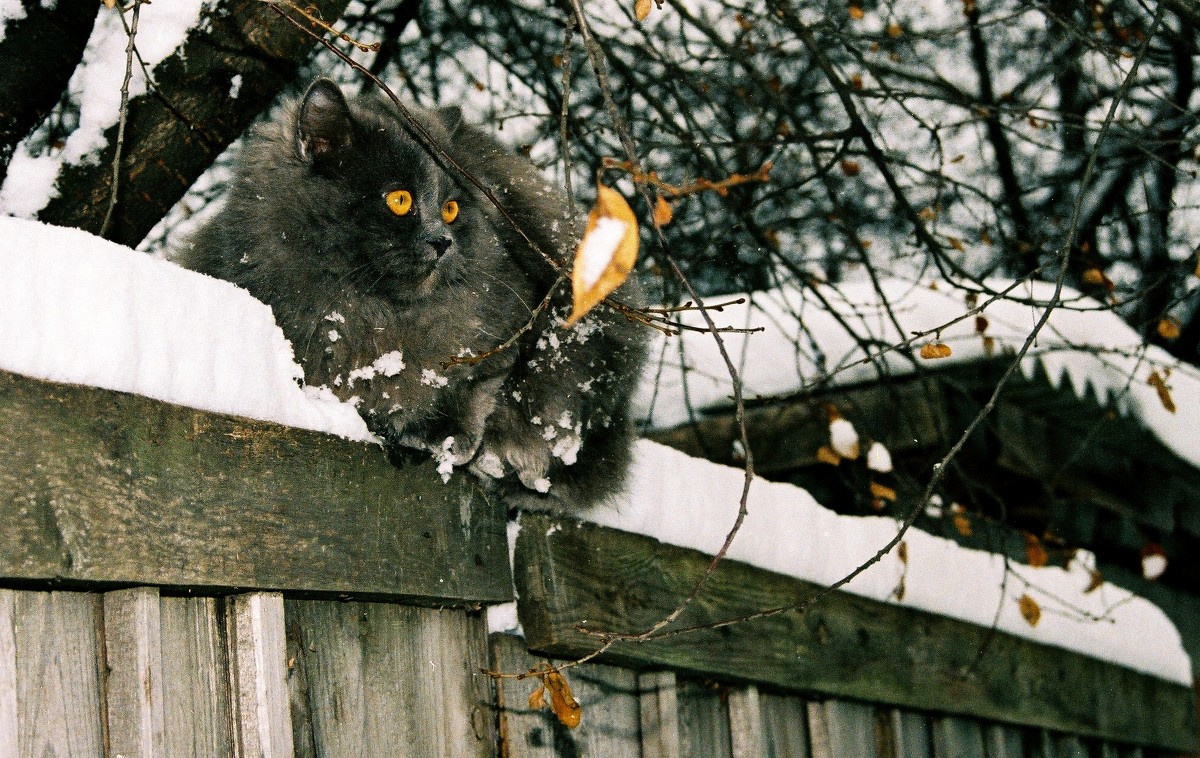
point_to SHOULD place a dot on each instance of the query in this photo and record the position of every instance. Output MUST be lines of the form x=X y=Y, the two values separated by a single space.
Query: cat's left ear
x=323 y=125
x=451 y=117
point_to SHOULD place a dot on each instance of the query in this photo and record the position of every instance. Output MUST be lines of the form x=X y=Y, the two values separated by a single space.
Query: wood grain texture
x=195 y=662
x=911 y=737
x=608 y=698
x=368 y=677
x=747 y=738
x=785 y=721
x=133 y=688
x=841 y=728
x=8 y=673
x=258 y=676
x=957 y=738
x=59 y=706
x=847 y=646
x=703 y=720
x=1003 y=741
x=659 y=707
x=108 y=487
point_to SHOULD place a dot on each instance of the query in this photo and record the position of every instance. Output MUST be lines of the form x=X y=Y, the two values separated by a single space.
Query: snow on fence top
x=805 y=342
x=81 y=310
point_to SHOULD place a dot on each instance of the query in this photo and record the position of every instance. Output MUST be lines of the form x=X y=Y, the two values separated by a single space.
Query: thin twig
x=116 y=165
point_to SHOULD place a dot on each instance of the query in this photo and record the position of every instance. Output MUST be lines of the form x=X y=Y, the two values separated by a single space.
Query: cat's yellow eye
x=450 y=211
x=400 y=202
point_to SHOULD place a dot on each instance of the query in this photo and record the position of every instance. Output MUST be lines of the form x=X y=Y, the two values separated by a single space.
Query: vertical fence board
x=1069 y=746
x=133 y=688
x=841 y=728
x=59 y=705
x=746 y=738
x=608 y=696
x=258 y=678
x=785 y=724
x=957 y=738
x=703 y=722
x=659 y=707
x=197 y=710
x=8 y=674
x=1003 y=741
x=911 y=735
x=370 y=676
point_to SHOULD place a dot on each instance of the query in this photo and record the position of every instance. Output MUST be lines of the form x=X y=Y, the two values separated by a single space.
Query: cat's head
x=405 y=224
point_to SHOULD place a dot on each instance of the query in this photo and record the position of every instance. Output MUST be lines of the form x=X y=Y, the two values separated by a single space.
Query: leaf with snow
x=606 y=254
x=1030 y=610
x=843 y=438
x=1154 y=561
x=878 y=458
x=641 y=9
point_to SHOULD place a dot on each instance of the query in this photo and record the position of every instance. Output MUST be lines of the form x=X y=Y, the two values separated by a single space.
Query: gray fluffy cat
x=382 y=263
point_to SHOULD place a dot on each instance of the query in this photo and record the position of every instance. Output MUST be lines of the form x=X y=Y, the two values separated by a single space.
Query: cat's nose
x=439 y=244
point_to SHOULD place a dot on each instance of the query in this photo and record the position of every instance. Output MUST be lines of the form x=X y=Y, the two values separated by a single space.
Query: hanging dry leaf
x=883 y=492
x=606 y=253
x=825 y=454
x=1035 y=552
x=1170 y=328
x=1030 y=610
x=1164 y=392
x=562 y=702
x=902 y=551
x=851 y=168
x=662 y=213
x=894 y=30
x=537 y=698
x=962 y=523
x=641 y=9
x=981 y=324
x=1096 y=277
x=898 y=593
x=934 y=350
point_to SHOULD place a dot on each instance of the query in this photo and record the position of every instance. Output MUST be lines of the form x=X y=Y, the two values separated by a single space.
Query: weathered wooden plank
x=133 y=689
x=108 y=487
x=59 y=710
x=258 y=676
x=747 y=738
x=911 y=737
x=703 y=721
x=841 y=728
x=370 y=676
x=1069 y=746
x=8 y=673
x=785 y=719
x=608 y=698
x=1003 y=741
x=197 y=710
x=957 y=738
x=659 y=714
x=847 y=646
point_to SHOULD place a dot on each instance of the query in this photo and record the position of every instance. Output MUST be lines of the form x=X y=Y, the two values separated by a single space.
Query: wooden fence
x=178 y=583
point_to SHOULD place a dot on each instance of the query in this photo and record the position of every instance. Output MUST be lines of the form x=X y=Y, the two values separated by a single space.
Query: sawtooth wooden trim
x=847 y=646
x=106 y=487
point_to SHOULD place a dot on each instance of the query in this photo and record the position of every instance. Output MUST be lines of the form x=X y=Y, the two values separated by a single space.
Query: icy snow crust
x=81 y=310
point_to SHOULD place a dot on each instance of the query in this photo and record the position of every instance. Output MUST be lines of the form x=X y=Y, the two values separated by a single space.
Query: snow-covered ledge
x=80 y=310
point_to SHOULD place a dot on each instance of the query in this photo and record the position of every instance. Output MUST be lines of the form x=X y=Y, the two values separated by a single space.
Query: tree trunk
x=176 y=130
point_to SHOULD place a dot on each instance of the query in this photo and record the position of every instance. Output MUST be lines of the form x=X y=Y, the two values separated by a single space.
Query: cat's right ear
x=323 y=124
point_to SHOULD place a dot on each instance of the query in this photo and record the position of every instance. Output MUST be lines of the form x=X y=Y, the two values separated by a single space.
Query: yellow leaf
x=934 y=350
x=851 y=168
x=1030 y=610
x=963 y=524
x=856 y=12
x=894 y=30
x=1164 y=392
x=1096 y=277
x=662 y=212
x=562 y=702
x=1170 y=328
x=606 y=253
x=883 y=492
x=642 y=9
x=825 y=454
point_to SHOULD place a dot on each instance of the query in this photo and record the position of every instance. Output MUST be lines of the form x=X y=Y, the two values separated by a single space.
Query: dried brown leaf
x=1035 y=552
x=537 y=698
x=562 y=702
x=851 y=168
x=1170 y=328
x=1159 y=384
x=962 y=523
x=935 y=350
x=883 y=492
x=1030 y=610
x=662 y=212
